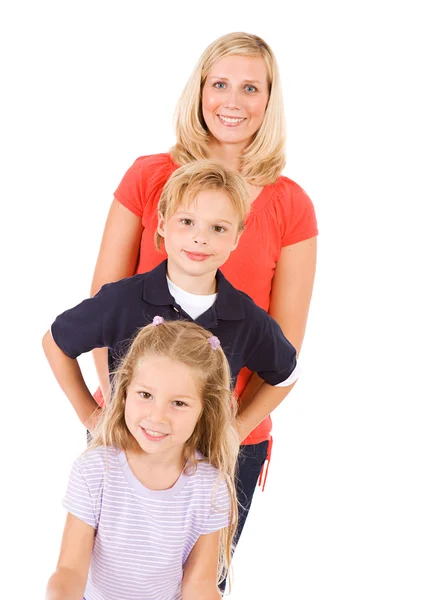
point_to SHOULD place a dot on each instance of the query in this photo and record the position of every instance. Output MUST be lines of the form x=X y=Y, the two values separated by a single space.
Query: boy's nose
x=201 y=238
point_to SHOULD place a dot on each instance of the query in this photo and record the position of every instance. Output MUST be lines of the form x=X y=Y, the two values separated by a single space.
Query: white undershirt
x=195 y=305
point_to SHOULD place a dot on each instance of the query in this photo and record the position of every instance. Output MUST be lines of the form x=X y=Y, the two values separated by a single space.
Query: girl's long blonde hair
x=264 y=159
x=214 y=435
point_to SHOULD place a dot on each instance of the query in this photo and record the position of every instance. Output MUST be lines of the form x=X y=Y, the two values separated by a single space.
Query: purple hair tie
x=158 y=321
x=214 y=342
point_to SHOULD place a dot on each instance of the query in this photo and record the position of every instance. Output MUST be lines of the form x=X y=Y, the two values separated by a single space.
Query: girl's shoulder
x=95 y=461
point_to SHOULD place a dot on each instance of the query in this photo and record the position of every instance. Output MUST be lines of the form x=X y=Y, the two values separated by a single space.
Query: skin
x=235 y=88
x=172 y=406
x=169 y=406
x=206 y=227
x=295 y=270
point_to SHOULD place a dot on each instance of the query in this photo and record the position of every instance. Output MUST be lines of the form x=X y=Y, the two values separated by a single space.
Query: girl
x=152 y=504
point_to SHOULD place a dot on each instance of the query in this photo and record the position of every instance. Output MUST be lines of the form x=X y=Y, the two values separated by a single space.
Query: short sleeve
x=219 y=515
x=300 y=218
x=273 y=357
x=83 y=327
x=79 y=498
x=80 y=329
x=143 y=181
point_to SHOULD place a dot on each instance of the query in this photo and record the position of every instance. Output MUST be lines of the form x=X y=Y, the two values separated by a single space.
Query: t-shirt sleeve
x=272 y=356
x=141 y=181
x=80 y=499
x=300 y=218
x=81 y=328
x=219 y=515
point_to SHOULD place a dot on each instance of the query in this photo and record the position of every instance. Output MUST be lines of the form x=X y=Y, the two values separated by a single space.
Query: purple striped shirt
x=143 y=537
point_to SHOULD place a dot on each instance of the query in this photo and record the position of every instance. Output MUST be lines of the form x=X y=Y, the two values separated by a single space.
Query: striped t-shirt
x=143 y=537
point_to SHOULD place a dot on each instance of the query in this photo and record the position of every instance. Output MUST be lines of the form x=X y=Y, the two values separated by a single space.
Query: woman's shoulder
x=290 y=191
x=153 y=161
x=144 y=179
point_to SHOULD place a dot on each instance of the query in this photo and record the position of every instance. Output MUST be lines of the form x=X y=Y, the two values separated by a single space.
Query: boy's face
x=200 y=236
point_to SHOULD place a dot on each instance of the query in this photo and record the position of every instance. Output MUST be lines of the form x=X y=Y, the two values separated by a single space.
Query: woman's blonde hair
x=187 y=181
x=264 y=159
x=214 y=435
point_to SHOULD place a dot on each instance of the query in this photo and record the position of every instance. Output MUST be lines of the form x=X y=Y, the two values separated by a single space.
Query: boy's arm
x=200 y=572
x=69 y=377
x=254 y=408
x=273 y=358
x=69 y=580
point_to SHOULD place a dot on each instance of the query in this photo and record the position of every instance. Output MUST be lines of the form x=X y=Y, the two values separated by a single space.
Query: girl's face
x=163 y=405
x=234 y=100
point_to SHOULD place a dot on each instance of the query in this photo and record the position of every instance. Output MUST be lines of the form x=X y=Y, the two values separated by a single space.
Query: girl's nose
x=157 y=414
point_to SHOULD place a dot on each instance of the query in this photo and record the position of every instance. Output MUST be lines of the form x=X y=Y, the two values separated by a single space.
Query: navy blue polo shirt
x=248 y=335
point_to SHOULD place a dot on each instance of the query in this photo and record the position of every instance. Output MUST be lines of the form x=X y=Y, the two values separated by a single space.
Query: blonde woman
x=231 y=111
x=151 y=504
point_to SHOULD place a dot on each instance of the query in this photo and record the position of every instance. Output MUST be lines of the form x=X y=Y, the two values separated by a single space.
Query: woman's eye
x=145 y=395
x=186 y=221
x=250 y=88
x=219 y=85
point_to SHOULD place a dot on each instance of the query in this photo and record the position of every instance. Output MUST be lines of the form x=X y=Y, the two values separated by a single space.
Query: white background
x=86 y=88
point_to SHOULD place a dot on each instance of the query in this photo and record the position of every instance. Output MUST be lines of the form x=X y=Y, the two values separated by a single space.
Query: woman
x=231 y=111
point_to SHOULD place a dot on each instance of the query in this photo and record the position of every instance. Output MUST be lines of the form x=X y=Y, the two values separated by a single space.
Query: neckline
x=141 y=490
x=175 y=288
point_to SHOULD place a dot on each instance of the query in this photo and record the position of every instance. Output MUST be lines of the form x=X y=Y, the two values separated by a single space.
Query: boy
x=200 y=218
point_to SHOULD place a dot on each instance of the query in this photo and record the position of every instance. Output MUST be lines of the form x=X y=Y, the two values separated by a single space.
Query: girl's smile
x=163 y=405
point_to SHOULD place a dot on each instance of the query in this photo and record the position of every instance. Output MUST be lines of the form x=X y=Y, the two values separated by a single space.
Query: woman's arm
x=255 y=408
x=117 y=259
x=200 y=572
x=69 y=580
x=69 y=377
x=290 y=299
x=292 y=287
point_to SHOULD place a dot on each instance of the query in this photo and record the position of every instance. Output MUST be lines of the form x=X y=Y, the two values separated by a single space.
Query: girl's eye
x=250 y=88
x=219 y=85
x=218 y=228
x=145 y=395
x=179 y=403
x=187 y=221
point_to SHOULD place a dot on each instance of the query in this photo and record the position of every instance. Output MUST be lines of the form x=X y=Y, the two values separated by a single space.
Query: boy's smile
x=199 y=238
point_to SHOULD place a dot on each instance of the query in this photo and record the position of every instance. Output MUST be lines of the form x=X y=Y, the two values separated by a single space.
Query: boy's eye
x=187 y=221
x=250 y=88
x=218 y=228
x=145 y=395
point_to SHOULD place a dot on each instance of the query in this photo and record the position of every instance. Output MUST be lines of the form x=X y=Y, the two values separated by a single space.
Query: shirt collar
x=229 y=303
x=155 y=287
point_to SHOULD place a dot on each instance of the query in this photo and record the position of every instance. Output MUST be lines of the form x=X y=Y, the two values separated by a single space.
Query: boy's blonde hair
x=187 y=181
x=214 y=435
x=264 y=159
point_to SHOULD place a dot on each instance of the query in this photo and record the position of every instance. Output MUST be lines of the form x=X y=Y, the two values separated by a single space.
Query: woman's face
x=234 y=100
